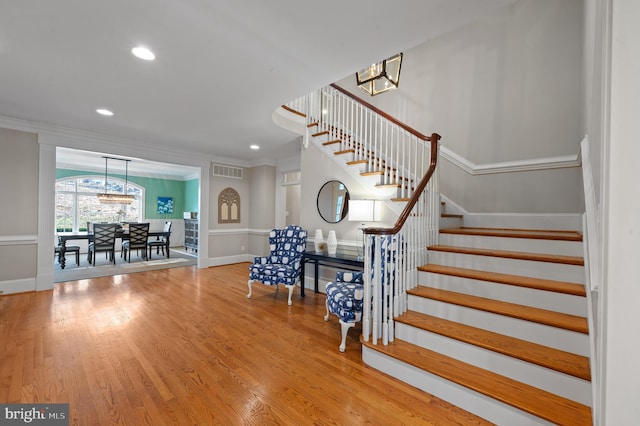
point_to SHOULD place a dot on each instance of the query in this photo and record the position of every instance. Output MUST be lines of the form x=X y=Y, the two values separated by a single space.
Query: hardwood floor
x=185 y=346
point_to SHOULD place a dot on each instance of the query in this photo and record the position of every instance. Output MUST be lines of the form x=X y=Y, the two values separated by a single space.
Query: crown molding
x=559 y=162
x=51 y=134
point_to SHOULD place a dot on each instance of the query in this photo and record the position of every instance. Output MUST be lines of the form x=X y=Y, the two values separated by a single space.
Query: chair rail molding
x=239 y=231
x=17 y=240
x=559 y=162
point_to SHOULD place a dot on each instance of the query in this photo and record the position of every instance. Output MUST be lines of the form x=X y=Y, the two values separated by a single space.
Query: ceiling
x=221 y=67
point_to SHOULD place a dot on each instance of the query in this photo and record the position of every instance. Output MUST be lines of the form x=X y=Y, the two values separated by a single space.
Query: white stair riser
x=552 y=301
x=344 y=157
x=527 y=268
x=467 y=399
x=541 y=334
x=450 y=222
x=529 y=245
x=552 y=381
x=370 y=181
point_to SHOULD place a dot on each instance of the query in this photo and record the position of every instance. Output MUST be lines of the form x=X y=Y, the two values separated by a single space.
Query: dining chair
x=160 y=243
x=68 y=249
x=104 y=239
x=138 y=236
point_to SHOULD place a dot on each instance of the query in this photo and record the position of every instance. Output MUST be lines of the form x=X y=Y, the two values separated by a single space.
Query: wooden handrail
x=382 y=113
x=416 y=194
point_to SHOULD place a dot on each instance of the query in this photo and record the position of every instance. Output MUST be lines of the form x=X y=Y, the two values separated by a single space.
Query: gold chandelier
x=123 y=198
x=380 y=77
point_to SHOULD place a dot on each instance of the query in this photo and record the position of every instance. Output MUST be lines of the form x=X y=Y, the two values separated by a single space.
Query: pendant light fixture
x=111 y=198
x=381 y=76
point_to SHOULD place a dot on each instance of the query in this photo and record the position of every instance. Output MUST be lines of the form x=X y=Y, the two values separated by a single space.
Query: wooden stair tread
x=314 y=124
x=526 y=313
x=458 y=216
x=516 y=233
x=555 y=359
x=346 y=151
x=351 y=163
x=400 y=199
x=293 y=111
x=539 y=257
x=376 y=173
x=537 y=402
x=515 y=280
x=331 y=142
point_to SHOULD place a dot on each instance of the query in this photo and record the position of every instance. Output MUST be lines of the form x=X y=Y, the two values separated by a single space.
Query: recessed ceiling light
x=103 y=111
x=254 y=146
x=143 y=53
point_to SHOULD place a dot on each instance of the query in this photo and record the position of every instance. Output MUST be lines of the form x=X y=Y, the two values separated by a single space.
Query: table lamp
x=364 y=211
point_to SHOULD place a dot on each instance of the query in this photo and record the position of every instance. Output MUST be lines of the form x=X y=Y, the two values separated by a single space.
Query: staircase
x=491 y=320
x=498 y=326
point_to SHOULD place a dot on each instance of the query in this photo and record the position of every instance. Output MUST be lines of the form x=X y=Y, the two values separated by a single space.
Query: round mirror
x=333 y=201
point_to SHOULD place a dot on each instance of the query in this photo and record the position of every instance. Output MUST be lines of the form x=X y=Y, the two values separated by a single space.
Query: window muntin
x=77 y=204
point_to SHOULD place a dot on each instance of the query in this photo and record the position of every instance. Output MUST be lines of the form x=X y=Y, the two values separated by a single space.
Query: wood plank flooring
x=185 y=346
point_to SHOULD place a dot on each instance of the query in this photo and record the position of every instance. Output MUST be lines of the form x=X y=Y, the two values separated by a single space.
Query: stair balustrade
x=402 y=156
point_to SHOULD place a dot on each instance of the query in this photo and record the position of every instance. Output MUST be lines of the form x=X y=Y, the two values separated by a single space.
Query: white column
x=46 y=215
x=203 y=218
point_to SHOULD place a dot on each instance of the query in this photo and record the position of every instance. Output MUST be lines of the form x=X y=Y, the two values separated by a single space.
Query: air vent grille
x=227 y=171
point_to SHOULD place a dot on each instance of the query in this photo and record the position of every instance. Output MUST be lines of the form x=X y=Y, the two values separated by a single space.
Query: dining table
x=122 y=233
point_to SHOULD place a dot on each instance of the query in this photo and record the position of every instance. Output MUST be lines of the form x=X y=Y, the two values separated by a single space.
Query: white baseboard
x=227 y=260
x=17 y=286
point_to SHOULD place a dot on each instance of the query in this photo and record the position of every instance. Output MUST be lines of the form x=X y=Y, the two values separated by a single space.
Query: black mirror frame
x=345 y=209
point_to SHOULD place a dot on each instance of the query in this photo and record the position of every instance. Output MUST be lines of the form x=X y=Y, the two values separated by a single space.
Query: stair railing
x=392 y=255
x=403 y=155
x=378 y=141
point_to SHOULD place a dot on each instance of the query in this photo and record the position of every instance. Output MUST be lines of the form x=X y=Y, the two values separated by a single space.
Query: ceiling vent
x=227 y=171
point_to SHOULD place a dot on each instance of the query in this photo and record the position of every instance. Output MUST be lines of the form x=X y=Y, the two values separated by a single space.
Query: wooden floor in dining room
x=185 y=346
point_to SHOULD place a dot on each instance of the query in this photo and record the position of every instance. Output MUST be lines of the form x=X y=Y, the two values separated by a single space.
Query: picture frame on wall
x=165 y=205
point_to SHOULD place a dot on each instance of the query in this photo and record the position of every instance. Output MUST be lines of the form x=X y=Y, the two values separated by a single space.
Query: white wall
x=621 y=226
x=504 y=88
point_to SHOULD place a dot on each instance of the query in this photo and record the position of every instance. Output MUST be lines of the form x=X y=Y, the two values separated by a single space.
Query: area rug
x=73 y=273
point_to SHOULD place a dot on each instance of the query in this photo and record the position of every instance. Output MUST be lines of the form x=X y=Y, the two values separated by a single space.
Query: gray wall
x=229 y=238
x=505 y=88
x=318 y=168
x=263 y=208
x=19 y=183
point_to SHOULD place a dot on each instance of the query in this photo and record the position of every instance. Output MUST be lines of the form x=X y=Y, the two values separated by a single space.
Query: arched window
x=77 y=203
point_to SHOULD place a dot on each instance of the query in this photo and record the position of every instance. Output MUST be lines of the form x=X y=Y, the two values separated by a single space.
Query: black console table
x=343 y=259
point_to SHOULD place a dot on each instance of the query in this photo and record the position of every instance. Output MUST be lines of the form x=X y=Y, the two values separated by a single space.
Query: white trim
x=18 y=240
x=100 y=169
x=50 y=134
x=559 y=162
x=234 y=231
x=227 y=260
x=17 y=286
x=239 y=231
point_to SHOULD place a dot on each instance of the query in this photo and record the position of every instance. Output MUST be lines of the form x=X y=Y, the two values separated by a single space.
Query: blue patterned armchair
x=283 y=265
x=344 y=299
